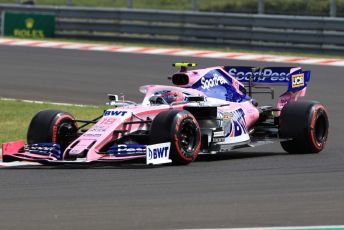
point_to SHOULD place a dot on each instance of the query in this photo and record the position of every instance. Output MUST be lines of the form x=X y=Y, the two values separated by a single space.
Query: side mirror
x=112 y=97
x=114 y=100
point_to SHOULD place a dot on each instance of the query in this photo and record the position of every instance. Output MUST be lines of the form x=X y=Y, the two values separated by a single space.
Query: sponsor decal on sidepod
x=234 y=123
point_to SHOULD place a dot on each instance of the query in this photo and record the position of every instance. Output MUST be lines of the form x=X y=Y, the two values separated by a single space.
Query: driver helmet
x=173 y=96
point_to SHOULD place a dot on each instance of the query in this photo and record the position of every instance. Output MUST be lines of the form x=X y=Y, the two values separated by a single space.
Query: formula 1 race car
x=208 y=111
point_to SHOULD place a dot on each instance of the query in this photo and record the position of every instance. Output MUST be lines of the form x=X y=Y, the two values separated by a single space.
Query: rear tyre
x=306 y=123
x=52 y=126
x=181 y=129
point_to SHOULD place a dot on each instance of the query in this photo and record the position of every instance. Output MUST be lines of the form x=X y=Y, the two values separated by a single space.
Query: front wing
x=48 y=153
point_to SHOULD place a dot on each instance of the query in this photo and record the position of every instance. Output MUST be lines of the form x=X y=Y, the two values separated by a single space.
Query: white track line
x=18 y=164
x=99 y=48
x=172 y=51
x=329 y=227
x=46 y=102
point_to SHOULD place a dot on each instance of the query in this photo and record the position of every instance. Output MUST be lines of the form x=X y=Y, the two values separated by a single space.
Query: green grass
x=15 y=116
x=299 y=7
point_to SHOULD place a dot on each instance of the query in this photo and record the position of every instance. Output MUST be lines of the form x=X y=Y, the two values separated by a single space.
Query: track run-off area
x=258 y=187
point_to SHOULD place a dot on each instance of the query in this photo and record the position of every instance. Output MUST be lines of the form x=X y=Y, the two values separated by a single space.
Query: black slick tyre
x=181 y=129
x=52 y=126
x=306 y=124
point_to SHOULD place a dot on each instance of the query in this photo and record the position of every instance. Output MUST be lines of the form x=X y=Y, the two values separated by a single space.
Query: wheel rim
x=187 y=137
x=66 y=133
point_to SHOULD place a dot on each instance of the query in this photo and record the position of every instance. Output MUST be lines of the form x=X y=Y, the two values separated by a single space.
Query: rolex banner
x=28 y=25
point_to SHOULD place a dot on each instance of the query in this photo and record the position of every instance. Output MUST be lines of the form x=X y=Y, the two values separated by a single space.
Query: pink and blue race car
x=207 y=111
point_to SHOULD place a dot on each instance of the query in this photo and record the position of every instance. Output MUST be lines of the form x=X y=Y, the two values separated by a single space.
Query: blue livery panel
x=217 y=84
x=45 y=149
x=234 y=123
x=127 y=150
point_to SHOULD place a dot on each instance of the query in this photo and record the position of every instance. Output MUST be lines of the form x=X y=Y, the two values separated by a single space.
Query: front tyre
x=306 y=123
x=52 y=126
x=181 y=129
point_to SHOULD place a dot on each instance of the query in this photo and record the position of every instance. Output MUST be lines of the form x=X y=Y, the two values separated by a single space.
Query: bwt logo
x=114 y=113
x=298 y=80
x=158 y=153
x=215 y=81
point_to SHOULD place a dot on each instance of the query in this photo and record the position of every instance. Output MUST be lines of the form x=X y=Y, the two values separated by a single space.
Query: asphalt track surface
x=259 y=187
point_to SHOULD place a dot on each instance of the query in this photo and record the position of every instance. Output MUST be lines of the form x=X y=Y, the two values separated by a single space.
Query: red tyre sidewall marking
x=176 y=140
x=317 y=111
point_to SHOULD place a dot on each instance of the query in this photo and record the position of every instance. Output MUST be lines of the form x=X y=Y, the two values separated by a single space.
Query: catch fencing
x=220 y=30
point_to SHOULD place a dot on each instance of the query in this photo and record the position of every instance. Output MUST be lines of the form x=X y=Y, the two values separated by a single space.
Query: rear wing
x=293 y=77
